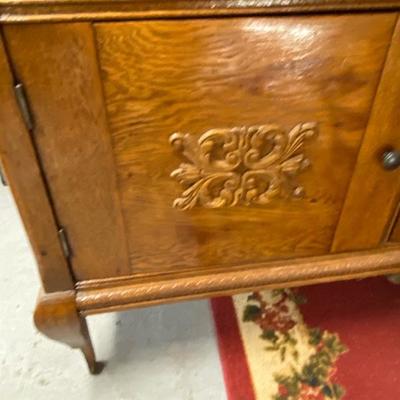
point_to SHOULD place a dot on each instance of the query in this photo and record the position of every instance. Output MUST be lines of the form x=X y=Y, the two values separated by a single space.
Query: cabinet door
x=196 y=144
x=375 y=190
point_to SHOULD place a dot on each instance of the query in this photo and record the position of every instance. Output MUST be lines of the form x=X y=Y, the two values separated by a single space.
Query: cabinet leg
x=57 y=317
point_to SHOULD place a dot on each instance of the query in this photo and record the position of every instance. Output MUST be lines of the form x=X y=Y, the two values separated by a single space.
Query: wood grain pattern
x=161 y=77
x=18 y=157
x=240 y=166
x=102 y=154
x=57 y=64
x=282 y=274
x=375 y=192
x=83 y=10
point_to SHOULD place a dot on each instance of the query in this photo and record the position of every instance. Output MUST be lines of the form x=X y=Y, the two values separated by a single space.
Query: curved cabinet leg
x=57 y=317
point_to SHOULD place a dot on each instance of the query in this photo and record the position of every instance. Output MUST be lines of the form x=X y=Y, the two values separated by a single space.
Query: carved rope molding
x=274 y=274
x=240 y=166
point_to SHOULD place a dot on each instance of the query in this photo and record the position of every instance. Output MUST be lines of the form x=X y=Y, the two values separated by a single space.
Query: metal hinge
x=62 y=235
x=23 y=104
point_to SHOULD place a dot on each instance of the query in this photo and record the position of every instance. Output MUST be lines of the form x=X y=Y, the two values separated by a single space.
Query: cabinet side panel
x=57 y=63
x=195 y=79
x=374 y=192
x=19 y=160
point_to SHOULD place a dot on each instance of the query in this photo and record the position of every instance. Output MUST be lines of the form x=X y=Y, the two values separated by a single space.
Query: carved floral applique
x=280 y=325
x=240 y=166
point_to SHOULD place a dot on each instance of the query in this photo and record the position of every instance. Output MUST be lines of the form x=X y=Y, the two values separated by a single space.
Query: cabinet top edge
x=12 y=11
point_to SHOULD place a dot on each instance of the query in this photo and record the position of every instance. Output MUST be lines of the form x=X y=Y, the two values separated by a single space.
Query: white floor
x=166 y=352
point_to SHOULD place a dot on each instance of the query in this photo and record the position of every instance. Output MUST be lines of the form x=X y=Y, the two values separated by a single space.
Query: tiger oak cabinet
x=169 y=150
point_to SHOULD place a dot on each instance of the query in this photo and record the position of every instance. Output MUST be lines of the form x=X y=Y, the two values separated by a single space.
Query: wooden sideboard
x=169 y=150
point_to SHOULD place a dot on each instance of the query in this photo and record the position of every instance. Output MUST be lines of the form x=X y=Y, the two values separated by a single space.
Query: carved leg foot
x=57 y=317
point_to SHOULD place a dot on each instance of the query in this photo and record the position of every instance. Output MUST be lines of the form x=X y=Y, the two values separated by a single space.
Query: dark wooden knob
x=391 y=159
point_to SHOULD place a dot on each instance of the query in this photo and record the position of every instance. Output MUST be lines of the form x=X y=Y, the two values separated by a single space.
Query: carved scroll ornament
x=240 y=166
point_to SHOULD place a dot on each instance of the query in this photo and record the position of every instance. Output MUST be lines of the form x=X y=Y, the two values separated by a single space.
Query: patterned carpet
x=324 y=342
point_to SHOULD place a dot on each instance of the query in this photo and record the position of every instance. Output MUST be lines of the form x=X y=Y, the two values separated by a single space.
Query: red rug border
x=238 y=381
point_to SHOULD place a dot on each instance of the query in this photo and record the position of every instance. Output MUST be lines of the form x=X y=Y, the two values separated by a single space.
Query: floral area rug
x=324 y=342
